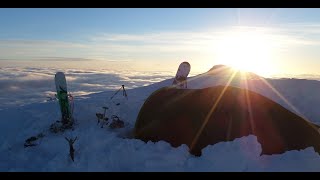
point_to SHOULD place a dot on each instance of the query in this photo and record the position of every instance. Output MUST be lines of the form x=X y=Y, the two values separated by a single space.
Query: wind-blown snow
x=103 y=149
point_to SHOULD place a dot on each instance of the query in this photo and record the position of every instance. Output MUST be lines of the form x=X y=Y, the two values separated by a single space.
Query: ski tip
x=186 y=62
x=59 y=73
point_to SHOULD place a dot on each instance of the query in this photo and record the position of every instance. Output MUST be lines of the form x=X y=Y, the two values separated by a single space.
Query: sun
x=246 y=50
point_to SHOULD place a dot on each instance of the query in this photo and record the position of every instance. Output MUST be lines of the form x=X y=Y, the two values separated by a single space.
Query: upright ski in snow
x=66 y=112
x=62 y=94
x=181 y=77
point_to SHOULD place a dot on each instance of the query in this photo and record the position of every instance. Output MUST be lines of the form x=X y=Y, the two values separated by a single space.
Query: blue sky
x=169 y=35
x=56 y=23
x=67 y=23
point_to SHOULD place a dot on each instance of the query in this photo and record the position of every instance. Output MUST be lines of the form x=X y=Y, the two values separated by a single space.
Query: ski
x=181 y=76
x=62 y=95
x=66 y=121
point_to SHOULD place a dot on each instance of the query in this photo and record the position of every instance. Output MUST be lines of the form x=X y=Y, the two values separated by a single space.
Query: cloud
x=60 y=59
x=289 y=34
x=165 y=45
x=298 y=76
x=19 y=86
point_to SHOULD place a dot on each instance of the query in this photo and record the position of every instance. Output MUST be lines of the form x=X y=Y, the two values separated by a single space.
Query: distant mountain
x=220 y=68
x=224 y=70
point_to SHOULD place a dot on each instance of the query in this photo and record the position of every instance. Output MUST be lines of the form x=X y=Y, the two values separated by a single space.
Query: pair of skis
x=180 y=80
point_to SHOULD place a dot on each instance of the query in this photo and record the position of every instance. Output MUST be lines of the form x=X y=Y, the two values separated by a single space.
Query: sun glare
x=246 y=50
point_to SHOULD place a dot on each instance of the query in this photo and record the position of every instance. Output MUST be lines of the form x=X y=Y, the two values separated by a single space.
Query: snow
x=104 y=149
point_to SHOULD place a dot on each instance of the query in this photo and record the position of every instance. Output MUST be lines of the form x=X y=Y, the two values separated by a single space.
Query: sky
x=265 y=41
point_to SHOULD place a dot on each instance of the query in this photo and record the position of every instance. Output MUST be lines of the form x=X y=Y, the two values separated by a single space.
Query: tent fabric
x=202 y=117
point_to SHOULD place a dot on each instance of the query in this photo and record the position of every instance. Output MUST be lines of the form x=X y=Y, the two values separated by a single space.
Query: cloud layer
x=19 y=86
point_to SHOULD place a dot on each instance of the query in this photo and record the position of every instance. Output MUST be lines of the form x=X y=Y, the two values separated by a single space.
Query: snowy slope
x=103 y=149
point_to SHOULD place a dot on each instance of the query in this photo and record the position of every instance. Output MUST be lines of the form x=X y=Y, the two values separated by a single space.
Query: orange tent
x=200 y=117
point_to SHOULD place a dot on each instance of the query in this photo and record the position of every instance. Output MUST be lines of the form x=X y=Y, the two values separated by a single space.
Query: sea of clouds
x=24 y=85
